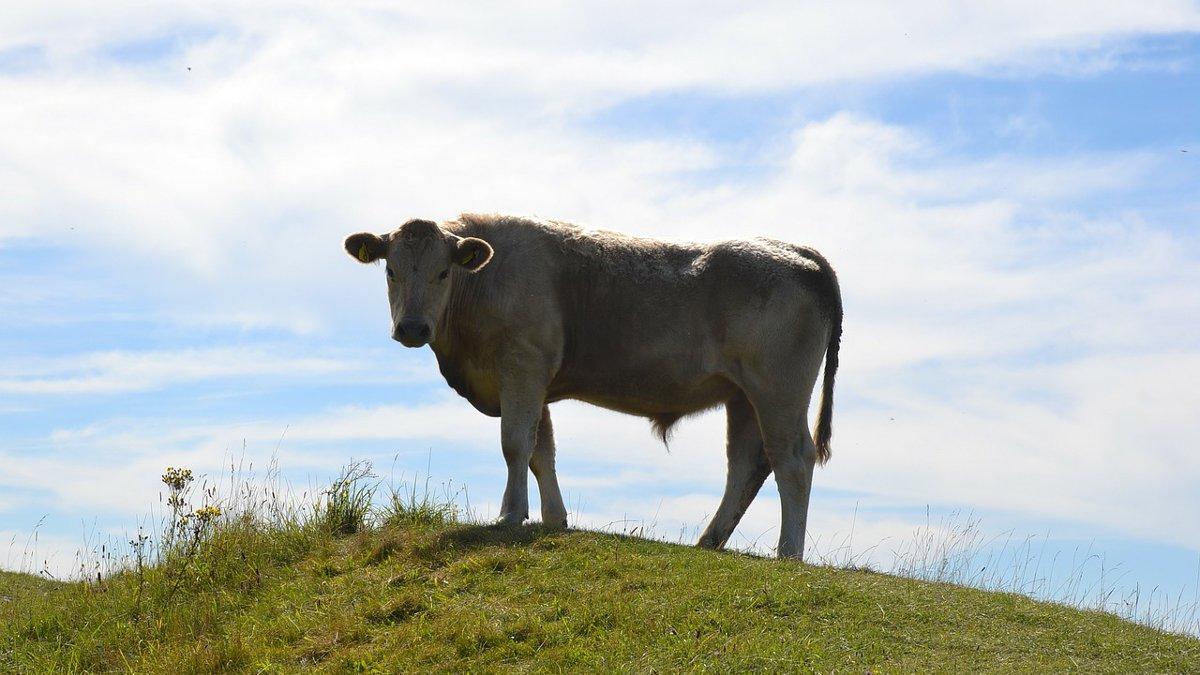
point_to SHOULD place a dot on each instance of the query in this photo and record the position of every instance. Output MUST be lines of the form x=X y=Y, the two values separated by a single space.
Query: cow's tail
x=824 y=428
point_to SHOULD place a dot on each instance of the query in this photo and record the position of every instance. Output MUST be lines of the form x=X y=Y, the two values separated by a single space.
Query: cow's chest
x=474 y=381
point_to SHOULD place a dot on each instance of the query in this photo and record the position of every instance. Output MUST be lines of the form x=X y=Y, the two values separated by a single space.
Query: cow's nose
x=411 y=333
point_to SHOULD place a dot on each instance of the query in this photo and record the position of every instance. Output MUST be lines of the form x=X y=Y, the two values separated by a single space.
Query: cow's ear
x=472 y=253
x=366 y=247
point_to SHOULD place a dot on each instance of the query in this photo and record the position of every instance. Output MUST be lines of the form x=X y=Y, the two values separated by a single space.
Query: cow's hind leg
x=748 y=468
x=792 y=454
x=781 y=404
x=554 y=513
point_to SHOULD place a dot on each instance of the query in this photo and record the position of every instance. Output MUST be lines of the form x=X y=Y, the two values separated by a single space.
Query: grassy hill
x=419 y=591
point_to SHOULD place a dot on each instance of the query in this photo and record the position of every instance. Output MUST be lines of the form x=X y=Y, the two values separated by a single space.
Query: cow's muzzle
x=411 y=333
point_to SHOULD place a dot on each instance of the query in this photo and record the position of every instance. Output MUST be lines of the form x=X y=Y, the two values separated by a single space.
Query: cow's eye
x=444 y=273
x=390 y=273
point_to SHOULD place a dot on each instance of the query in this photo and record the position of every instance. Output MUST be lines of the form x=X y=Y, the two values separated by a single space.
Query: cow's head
x=421 y=261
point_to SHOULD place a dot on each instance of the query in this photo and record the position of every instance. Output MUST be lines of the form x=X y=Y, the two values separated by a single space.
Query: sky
x=1009 y=191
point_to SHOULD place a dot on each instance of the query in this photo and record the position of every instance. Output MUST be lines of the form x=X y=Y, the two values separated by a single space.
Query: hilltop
x=419 y=590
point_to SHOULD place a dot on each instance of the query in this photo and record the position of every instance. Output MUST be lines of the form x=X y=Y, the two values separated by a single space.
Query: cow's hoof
x=709 y=541
x=510 y=519
x=554 y=522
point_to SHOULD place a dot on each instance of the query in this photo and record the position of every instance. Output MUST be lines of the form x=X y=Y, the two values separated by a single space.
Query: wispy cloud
x=37 y=552
x=127 y=371
x=595 y=47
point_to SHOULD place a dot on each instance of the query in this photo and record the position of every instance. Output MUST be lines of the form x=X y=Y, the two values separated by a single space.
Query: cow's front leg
x=521 y=402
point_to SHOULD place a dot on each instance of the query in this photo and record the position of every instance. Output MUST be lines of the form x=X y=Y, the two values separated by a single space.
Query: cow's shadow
x=465 y=538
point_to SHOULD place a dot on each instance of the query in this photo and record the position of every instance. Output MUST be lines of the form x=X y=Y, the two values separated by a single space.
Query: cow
x=523 y=312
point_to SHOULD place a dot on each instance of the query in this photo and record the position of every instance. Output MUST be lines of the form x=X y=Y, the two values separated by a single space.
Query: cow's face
x=421 y=261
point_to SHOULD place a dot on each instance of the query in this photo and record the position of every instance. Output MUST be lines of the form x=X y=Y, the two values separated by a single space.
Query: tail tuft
x=661 y=425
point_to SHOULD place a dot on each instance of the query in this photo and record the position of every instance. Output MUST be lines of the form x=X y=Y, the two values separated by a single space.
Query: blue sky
x=1009 y=193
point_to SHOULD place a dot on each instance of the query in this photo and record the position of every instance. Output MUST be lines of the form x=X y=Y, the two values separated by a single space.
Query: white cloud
x=39 y=553
x=124 y=371
x=280 y=109
x=603 y=47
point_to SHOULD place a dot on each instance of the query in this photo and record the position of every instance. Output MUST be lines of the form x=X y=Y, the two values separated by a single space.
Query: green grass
x=14 y=586
x=415 y=590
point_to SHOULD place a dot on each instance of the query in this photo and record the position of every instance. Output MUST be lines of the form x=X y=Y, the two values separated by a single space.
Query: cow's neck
x=454 y=337
x=458 y=349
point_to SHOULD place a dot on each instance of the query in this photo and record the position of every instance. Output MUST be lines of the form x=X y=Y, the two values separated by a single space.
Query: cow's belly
x=650 y=404
x=651 y=386
x=644 y=391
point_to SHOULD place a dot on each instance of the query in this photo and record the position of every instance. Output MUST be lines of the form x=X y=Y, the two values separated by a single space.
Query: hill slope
x=429 y=594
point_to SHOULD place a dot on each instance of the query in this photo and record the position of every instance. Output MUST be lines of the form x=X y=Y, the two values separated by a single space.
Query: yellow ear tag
x=466 y=257
x=363 y=255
